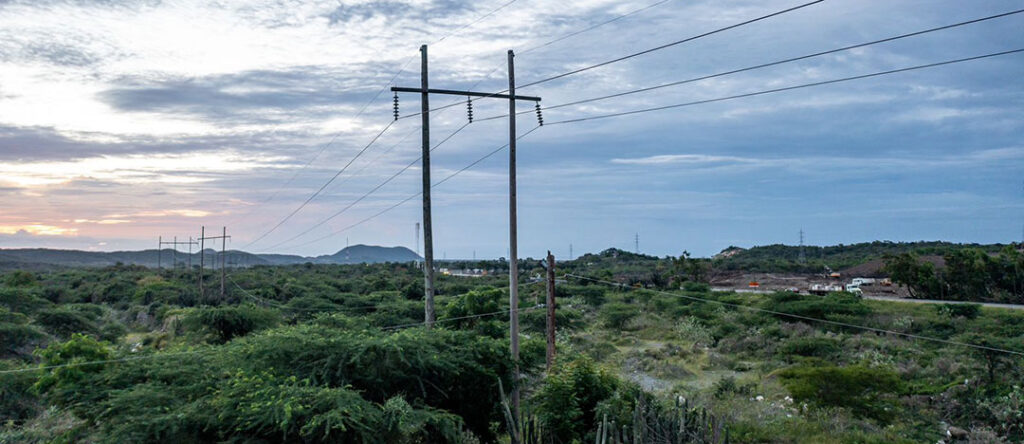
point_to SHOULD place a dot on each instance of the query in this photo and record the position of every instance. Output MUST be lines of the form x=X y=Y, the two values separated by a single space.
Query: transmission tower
x=803 y=257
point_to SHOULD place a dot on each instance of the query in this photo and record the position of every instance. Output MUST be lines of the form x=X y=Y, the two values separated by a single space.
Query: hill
x=42 y=257
x=786 y=258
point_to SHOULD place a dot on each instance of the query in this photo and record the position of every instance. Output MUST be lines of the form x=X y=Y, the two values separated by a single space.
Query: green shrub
x=566 y=401
x=227 y=323
x=865 y=391
x=811 y=347
x=969 y=311
x=615 y=315
x=64 y=321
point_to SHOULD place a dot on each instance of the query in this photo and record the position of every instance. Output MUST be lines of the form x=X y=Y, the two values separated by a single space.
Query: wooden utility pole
x=159 y=249
x=551 y=310
x=202 y=255
x=513 y=270
x=174 y=252
x=428 y=232
x=428 y=239
x=223 y=250
x=224 y=240
x=428 y=247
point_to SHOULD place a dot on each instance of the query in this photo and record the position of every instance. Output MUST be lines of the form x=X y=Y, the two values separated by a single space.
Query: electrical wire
x=368 y=193
x=779 y=62
x=669 y=45
x=402 y=202
x=807 y=318
x=361 y=111
x=532 y=48
x=322 y=187
x=788 y=88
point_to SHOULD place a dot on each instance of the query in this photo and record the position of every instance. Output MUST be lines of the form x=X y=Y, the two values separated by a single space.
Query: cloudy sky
x=124 y=120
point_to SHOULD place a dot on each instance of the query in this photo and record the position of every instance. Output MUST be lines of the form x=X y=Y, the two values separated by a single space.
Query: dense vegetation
x=968 y=274
x=786 y=258
x=329 y=353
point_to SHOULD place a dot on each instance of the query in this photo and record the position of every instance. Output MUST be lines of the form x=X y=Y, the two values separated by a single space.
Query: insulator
x=396 y=105
x=540 y=117
x=469 y=109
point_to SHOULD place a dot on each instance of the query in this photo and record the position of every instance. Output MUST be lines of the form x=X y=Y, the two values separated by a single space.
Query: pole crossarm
x=462 y=93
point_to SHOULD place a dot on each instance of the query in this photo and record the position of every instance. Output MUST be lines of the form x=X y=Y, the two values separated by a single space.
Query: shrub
x=863 y=390
x=813 y=347
x=969 y=311
x=616 y=314
x=566 y=401
x=63 y=322
x=228 y=323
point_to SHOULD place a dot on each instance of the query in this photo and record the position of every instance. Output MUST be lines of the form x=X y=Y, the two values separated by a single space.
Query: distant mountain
x=35 y=257
x=357 y=254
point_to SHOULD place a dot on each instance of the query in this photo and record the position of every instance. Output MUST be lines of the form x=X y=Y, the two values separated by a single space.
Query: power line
x=400 y=203
x=361 y=111
x=367 y=194
x=669 y=45
x=808 y=318
x=542 y=45
x=317 y=193
x=780 y=62
x=788 y=88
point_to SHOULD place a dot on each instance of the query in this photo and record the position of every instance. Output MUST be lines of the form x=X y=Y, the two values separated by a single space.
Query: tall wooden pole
x=202 y=256
x=159 y=248
x=223 y=251
x=174 y=254
x=513 y=270
x=428 y=235
x=551 y=310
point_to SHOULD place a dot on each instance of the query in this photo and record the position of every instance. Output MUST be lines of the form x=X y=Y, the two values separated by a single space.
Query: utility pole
x=551 y=311
x=428 y=230
x=513 y=271
x=190 y=243
x=202 y=256
x=428 y=241
x=174 y=252
x=159 y=249
x=417 y=239
x=636 y=243
x=570 y=251
x=223 y=250
x=803 y=257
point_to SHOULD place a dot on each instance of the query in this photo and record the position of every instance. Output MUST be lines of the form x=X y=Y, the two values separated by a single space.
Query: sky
x=125 y=120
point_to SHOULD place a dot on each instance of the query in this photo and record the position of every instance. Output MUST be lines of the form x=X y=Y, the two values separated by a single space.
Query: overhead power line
x=669 y=45
x=542 y=45
x=808 y=318
x=367 y=194
x=400 y=203
x=358 y=114
x=322 y=187
x=779 y=62
x=788 y=88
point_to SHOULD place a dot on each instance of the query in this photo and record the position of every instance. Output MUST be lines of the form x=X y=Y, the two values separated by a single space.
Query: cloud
x=37 y=229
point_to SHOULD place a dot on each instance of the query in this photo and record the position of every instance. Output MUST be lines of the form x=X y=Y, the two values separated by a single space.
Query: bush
x=63 y=322
x=969 y=311
x=567 y=399
x=228 y=323
x=811 y=347
x=616 y=314
x=863 y=390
